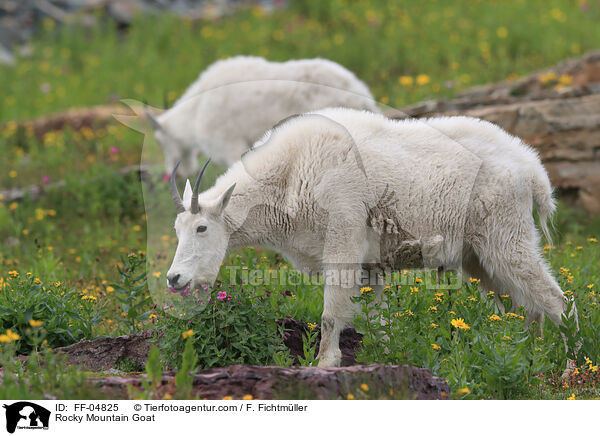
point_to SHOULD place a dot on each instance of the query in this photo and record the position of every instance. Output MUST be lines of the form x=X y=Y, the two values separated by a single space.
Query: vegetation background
x=73 y=259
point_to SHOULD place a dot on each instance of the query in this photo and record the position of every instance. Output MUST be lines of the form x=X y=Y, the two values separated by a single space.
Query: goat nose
x=173 y=279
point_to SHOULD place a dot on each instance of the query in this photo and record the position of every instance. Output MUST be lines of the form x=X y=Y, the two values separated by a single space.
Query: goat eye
x=201 y=229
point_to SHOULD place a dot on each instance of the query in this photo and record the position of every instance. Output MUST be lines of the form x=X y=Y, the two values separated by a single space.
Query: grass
x=405 y=52
x=449 y=45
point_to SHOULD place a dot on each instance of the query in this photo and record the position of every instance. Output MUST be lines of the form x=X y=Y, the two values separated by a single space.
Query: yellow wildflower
x=364 y=387
x=422 y=79
x=12 y=335
x=565 y=79
x=187 y=334
x=247 y=397
x=35 y=323
x=548 y=77
x=435 y=346
x=405 y=80
x=350 y=397
x=464 y=390
x=460 y=324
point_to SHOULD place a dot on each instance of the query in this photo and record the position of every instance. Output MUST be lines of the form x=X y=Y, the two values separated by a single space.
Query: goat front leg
x=344 y=250
x=338 y=310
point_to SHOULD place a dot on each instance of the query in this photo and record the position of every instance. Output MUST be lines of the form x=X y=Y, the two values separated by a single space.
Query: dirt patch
x=296 y=330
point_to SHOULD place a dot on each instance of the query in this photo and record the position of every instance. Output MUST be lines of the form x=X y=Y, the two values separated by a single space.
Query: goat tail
x=544 y=200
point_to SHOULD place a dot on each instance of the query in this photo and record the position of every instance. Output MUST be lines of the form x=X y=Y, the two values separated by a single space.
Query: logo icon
x=26 y=415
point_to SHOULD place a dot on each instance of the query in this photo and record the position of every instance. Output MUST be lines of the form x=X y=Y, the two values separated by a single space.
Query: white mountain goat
x=234 y=101
x=312 y=190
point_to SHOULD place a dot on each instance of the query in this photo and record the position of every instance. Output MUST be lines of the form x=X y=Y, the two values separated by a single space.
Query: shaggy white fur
x=236 y=100
x=308 y=187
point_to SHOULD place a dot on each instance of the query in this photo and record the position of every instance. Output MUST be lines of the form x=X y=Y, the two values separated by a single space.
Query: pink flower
x=46 y=179
x=114 y=150
x=222 y=295
x=166 y=177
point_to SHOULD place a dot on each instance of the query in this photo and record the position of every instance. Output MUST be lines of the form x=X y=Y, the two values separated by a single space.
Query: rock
x=270 y=382
x=562 y=124
x=6 y=57
x=19 y=19
x=123 y=11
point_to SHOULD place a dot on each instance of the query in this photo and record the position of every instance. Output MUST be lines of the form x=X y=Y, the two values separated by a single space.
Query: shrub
x=234 y=328
x=132 y=292
x=66 y=315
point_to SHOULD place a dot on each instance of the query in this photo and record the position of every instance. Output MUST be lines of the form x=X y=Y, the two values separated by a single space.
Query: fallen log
x=109 y=354
x=36 y=191
x=93 y=117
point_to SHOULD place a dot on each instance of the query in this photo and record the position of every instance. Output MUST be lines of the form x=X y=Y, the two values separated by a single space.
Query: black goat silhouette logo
x=26 y=415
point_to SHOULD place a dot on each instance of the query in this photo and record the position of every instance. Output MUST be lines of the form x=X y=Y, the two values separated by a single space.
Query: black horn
x=175 y=193
x=194 y=207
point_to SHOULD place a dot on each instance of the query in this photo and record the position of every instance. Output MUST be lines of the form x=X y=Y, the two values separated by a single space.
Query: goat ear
x=187 y=193
x=224 y=199
x=152 y=119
